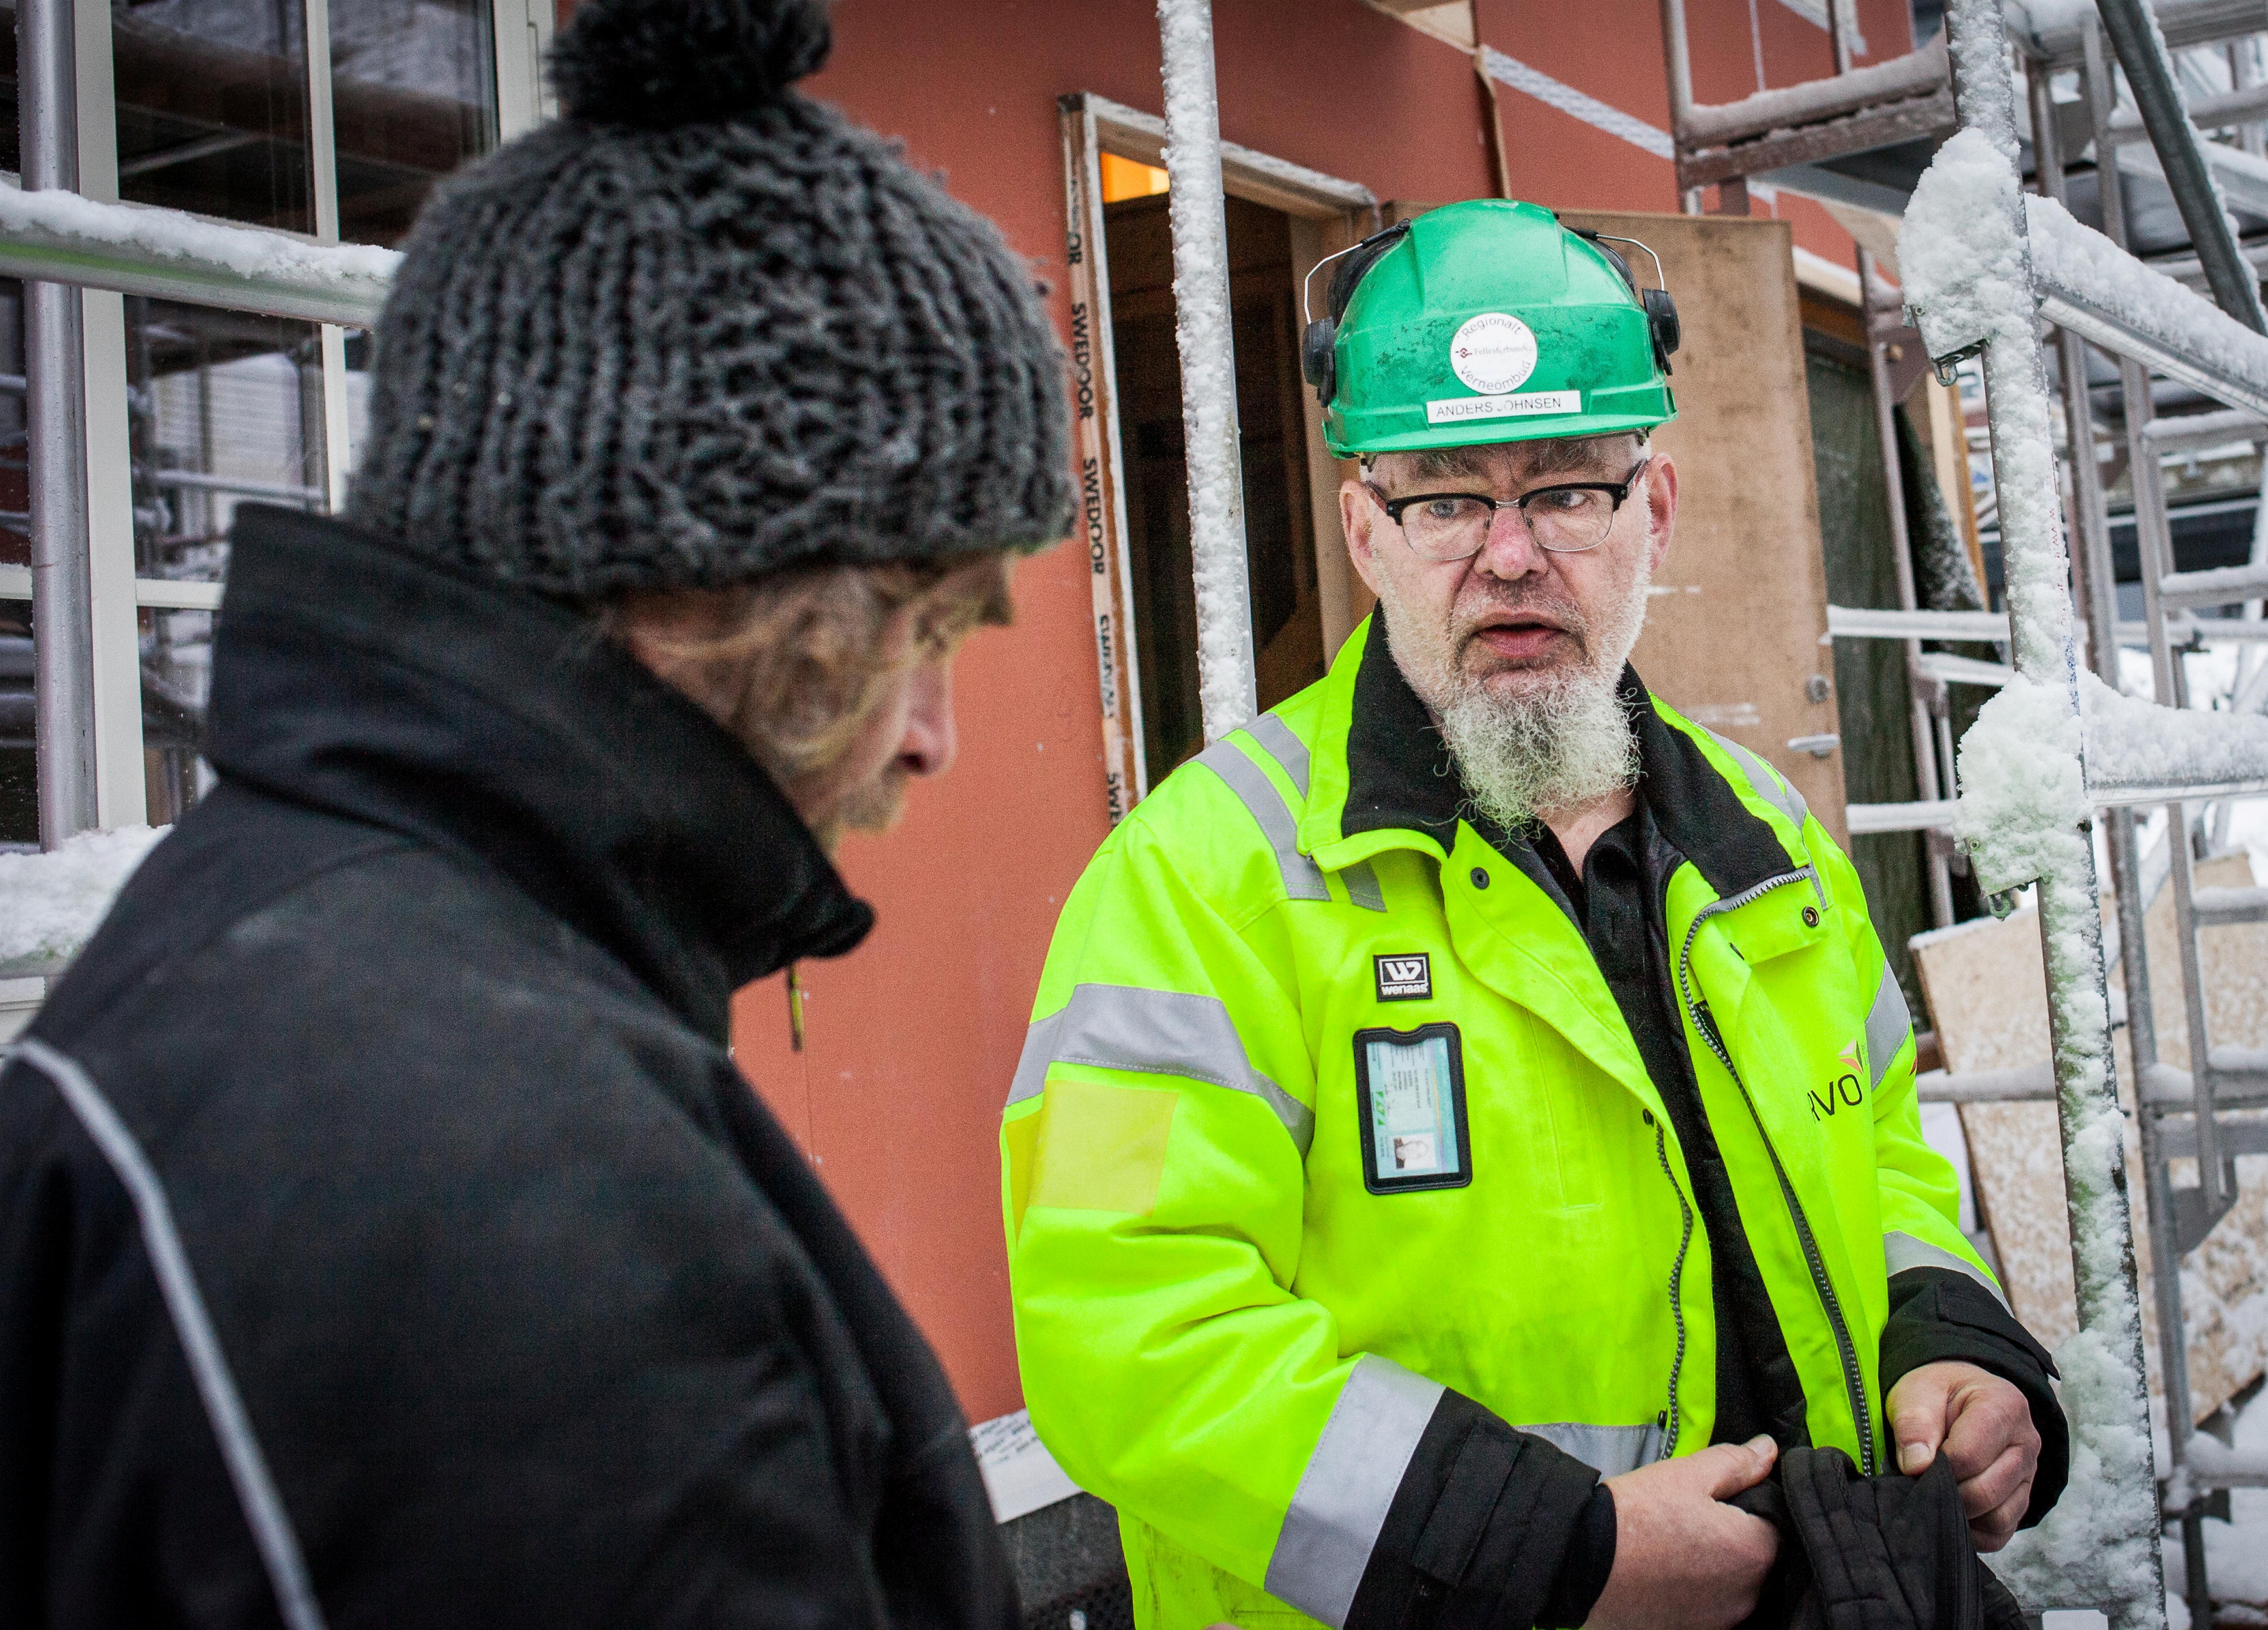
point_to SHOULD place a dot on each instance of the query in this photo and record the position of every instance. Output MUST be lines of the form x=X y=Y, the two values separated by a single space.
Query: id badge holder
x=1411 y=1091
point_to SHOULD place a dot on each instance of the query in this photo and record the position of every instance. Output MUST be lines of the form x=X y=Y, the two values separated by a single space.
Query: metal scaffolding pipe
x=2110 y=1399
x=1198 y=206
x=62 y=586
x=2142 y=53
x=1925 y=695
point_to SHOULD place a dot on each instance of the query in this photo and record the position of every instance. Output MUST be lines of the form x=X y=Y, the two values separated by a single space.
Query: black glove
x=1889 y=1553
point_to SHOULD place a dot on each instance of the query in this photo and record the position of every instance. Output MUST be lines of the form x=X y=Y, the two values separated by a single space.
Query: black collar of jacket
x=1400 y=775
x=491 y=723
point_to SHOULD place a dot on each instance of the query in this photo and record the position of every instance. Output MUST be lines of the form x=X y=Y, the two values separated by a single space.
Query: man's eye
x=1444 y=509
x=1563 y=501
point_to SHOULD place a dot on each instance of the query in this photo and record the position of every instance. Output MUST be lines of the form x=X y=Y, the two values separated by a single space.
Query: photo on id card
x=1409 y=1093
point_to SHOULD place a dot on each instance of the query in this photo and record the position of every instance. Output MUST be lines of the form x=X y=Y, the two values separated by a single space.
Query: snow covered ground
x=56 y=900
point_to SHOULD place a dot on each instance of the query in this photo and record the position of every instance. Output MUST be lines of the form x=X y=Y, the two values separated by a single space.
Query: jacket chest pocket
x=1540 y=1114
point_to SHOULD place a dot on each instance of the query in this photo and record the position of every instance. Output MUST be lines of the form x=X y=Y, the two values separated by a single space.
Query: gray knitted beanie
x=702 y=327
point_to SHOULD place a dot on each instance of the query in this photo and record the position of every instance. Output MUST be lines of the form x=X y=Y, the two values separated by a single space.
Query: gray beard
x=1556 y=747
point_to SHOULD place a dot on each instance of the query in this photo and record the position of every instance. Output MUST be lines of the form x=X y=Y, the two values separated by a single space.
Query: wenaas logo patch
x=1405 y=978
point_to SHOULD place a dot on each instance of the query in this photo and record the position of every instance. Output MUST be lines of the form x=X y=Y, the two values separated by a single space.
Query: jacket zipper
x=1677 y=1302
x=1853 y=1378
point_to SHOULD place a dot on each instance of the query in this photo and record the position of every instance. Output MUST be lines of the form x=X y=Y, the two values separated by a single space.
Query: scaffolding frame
x=2182 y=1115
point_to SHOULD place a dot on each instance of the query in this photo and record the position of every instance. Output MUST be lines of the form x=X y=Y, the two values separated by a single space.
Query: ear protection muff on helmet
x=1662 y=318
x=1318 y=360
x=1661 y=309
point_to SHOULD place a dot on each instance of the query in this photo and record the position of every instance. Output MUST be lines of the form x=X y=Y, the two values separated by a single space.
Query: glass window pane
x=213 y=108
x=226 y=409
x=413 y=86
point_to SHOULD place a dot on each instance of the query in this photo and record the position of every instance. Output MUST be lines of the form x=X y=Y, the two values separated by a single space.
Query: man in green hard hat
x=1468 y=1128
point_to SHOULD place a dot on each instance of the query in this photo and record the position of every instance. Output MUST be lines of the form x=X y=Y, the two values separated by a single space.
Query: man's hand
x=1683 y=1559
x=1985 y=1428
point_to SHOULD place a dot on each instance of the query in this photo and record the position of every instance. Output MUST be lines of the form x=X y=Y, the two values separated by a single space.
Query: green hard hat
x=1487 y=321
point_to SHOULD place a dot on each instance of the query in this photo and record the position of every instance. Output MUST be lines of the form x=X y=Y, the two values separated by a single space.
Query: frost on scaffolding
x=1203 y=329
x=2025 y=817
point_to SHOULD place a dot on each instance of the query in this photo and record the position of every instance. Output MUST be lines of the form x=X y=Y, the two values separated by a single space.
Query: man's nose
x=1511 y=552
x=929 y=745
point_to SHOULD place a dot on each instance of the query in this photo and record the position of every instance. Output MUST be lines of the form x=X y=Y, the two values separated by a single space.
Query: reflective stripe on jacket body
x=1226 y=1333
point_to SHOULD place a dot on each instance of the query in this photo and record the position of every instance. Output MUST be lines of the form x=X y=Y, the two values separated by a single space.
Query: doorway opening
x=1304 y=597
x=1279 y=523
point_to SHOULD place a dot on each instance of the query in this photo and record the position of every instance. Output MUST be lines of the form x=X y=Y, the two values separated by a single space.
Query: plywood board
x=1987 y=992
x=1732 y=636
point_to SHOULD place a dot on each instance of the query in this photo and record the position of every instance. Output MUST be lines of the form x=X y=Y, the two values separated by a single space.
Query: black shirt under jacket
x=1533 y=1540
x=535 y=1316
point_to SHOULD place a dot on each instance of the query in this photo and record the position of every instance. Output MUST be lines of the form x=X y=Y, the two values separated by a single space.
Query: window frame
x=519 y=33
x=1327 y=215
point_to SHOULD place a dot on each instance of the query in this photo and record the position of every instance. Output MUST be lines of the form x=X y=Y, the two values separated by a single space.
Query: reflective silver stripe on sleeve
x=1123 y=1027
x=1362 y=887
x=1303 y=879
x=1901 y=1252
x=1349 y=1482
x=1039 y=1052
x=1782 y=796
x=1887 y=1024
x=247 y=1467
x=1608 y=1451
x=1285 y=748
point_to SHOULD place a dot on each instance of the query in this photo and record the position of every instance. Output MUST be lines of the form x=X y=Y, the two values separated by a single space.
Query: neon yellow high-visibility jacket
x=1328 y=1131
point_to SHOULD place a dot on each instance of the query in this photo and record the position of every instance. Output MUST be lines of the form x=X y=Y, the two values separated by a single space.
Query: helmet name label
x=1493 y=353
x=1457 y=409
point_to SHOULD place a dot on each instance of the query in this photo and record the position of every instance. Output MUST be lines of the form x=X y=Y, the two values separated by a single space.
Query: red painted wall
x=912 y=1039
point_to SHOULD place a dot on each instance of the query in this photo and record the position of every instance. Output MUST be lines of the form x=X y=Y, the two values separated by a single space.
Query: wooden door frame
x=1327 y=215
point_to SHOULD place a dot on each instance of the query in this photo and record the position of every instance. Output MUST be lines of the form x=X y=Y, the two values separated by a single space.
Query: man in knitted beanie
x=386 y=1235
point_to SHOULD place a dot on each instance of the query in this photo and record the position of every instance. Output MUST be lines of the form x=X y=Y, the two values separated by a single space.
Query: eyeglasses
x=1566 y=519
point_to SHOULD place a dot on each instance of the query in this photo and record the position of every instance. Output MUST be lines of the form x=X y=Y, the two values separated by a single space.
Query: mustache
x=1469 y=620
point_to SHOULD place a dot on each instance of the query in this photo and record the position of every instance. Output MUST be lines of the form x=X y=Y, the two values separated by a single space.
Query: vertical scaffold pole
x=2102 y=1365
x=1198 y=207
x=63 y=582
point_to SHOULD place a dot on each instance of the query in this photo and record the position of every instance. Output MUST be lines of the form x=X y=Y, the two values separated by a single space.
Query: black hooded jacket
x=386 y=1237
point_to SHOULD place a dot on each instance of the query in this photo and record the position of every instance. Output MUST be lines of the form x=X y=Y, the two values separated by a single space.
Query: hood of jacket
x=500 y=727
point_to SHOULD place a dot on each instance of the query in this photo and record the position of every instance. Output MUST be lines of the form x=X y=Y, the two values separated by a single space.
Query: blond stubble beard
x=1559 y=745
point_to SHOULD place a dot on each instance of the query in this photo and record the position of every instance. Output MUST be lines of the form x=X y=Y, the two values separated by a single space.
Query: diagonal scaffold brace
x=1967 y=229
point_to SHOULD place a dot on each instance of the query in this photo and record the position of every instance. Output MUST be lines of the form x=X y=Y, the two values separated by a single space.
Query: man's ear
x=1359 y=512
x=1660 y=507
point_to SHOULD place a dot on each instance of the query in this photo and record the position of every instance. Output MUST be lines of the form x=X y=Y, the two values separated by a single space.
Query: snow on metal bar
x=2137 y=754
x=1227 y=690
x=1954 y=670
x=2024 y=1083
x=2224 y=585
x=2186 y=632
x=1922 y=815
x=2213 y=1463
x=2215 y=907
x=2088 y=284
x=60 y=237
x=1967 y=258
x=1850 y=623
x=1917 y=74
x=1933 y=815
x=2199 y=430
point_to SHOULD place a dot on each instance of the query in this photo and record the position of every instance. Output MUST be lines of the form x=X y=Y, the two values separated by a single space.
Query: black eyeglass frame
x=1617 y=490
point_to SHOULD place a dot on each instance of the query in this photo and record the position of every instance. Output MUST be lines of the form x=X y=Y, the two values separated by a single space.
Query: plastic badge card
x=1411 y=1089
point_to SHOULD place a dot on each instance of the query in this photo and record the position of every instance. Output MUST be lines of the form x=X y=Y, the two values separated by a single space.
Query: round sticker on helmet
x=1493 y=353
